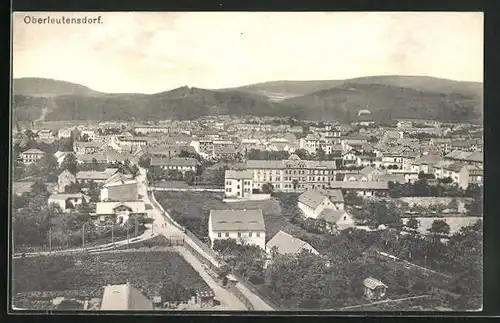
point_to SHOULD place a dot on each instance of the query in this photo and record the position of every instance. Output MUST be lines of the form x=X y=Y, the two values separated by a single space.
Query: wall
x=252 y=197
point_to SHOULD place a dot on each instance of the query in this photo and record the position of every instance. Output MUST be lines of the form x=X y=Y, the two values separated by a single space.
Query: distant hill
x=42 y=87
x=182 y=103
x=287 y=89
x=412 y=97
x=387 y=102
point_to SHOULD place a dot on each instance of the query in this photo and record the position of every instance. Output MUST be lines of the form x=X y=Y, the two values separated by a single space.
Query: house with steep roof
x=65 y=179
x=374 y=289
x=98 y=157
x=370 y=172
x=312 y=203
x=124 y=297
x=285 y=244
x=336 y=219
x=96 y=176
x=68 y=202
x=31 y=156
x=61 y=155
x=245 y=226
x=120 y=187
x=426 y=164
x=120 y=210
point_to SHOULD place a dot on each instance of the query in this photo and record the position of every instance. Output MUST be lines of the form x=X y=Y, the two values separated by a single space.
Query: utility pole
x=136 y=226
x=83 y=236
x=67 y=239
x=50 y=239
x=128 y=226
x=112 y=231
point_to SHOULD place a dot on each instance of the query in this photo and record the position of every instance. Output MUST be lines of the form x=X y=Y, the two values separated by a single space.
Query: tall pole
x=112 y=231
x=67 y=239
x=83 y=236
x=136 y=226
x=128 y=242
x=50 y=239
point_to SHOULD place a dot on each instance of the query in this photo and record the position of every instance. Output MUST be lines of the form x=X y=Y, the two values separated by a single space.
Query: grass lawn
x=89 y=273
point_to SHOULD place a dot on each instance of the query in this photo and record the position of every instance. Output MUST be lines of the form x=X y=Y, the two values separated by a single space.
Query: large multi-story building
x=32 y=156
x=293 y=174
x=203 y=147
x=150 y=129
x=238 y=184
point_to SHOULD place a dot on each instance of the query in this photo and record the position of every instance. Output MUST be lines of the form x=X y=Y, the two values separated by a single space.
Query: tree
x=94 y=191
x=413 y=224
x=439 y=228
x=134 y=170
x=39 y=188
x=70 y=163
x=218 y=178
x=320 y=154
x=190 y=154
x=302 y=153
x=267 y=188
x=144 y=161
x=174 y=175
x=189 y=177
x=172 y=290
x=68 y=304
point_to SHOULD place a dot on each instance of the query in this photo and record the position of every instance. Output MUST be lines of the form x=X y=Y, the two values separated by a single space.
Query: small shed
x=205 y=298
x=374 y=288
x=157 y=302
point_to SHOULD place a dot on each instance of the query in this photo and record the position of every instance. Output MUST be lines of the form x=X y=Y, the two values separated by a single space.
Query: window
x=227 y=234
x=238 y=187
x=258 y=234
x=250 y=234
x=219 y=234
x=239 y=234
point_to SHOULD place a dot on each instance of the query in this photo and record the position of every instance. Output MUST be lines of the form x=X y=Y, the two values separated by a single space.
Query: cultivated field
x=89 y=273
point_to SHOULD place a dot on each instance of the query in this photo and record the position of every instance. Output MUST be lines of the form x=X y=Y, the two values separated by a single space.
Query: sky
x=148 y=52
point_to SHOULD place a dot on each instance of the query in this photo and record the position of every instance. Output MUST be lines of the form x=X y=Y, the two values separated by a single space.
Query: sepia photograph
x=246 y=161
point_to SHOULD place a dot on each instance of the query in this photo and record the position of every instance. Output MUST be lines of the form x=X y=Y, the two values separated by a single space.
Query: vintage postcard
x=247 y=161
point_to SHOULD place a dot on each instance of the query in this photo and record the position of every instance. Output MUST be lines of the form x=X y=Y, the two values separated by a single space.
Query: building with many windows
x=32 y=156
x=293 y=174
x=244 y=226
x=238 y=183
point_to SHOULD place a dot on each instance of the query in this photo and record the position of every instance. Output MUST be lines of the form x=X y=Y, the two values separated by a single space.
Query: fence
x=173 y=189
x=258 y=292
x=236 y=292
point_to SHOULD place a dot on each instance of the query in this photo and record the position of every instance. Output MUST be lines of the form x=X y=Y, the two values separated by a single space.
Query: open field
x=89 y=273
